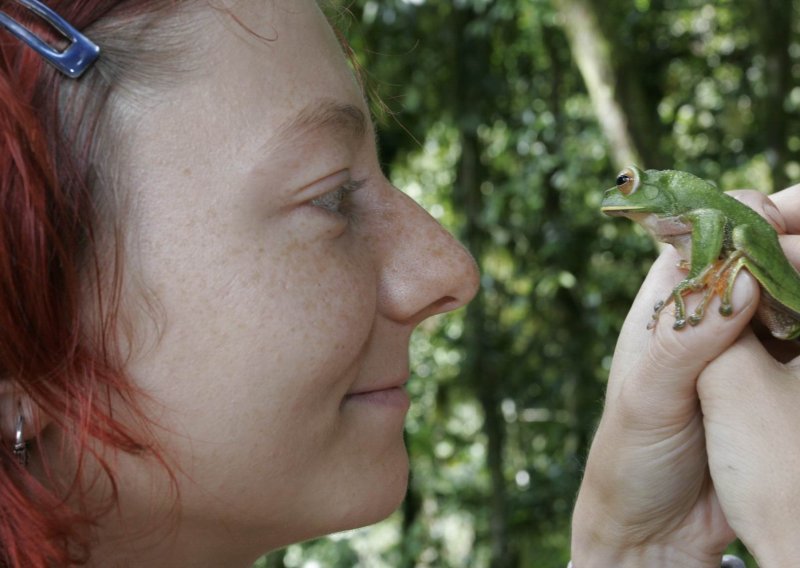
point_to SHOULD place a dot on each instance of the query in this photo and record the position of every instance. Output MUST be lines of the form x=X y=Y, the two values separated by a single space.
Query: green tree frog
x=716 y=236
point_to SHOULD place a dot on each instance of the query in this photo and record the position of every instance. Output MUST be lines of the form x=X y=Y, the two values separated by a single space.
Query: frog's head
x=639 y=192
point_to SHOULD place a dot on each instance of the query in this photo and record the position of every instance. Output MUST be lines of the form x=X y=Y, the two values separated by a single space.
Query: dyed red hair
x=48 y=253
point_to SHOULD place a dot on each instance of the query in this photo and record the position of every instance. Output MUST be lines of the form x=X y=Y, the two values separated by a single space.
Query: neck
x=162 y=547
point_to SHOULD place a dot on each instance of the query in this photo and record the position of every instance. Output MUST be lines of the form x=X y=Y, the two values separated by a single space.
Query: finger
x=762 y=205
x=788 y=203
x=791 y=248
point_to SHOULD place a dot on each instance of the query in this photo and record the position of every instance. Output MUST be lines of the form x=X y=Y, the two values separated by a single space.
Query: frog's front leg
x=685 y=287
x=708 y=232
x=720 y=282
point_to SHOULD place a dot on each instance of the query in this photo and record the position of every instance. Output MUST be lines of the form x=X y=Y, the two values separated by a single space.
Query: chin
x=357 y=507
x=376 y=499
x=365 y=488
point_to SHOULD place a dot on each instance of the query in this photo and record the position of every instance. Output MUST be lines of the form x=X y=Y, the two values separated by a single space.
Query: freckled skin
x=274 y=310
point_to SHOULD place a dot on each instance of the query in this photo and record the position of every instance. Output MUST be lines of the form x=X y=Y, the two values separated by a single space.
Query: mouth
x=389 y=386
x=389 y=394
x=395 y=397
x=619 y=210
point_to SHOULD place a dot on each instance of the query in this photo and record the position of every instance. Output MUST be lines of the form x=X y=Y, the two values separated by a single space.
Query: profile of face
x=288 y=275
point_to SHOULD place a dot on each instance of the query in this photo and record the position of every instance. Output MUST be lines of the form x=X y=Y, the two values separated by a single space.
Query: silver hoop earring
x=20 y=445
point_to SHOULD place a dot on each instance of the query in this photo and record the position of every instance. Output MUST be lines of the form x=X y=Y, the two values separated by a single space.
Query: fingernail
x=774 y=216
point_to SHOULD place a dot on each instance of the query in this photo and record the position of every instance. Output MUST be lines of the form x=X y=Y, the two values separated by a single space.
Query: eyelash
x=336 y=201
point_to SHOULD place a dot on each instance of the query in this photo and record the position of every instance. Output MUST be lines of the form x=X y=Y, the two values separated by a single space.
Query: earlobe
x=21 y=419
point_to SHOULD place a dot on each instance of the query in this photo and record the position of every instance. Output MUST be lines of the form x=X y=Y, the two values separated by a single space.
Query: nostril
x=446 y=301
x=444 y=304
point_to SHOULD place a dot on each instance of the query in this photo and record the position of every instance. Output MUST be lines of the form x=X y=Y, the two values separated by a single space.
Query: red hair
x=49 y=126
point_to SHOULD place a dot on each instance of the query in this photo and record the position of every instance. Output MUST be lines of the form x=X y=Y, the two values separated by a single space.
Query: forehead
x=257 y=70
x=292 y=36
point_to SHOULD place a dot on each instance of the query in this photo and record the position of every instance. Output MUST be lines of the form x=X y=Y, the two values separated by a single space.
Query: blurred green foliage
x=485 y=118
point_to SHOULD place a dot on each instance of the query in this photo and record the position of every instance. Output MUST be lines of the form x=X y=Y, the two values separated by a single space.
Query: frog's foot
x=657 y=309
x=675 y=297
x=685 y=288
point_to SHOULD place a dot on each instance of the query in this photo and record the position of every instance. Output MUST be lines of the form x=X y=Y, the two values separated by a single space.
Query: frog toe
x=694 y=319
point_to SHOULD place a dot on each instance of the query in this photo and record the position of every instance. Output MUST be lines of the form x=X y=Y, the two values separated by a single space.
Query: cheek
x=319 y=315
x=258 y=344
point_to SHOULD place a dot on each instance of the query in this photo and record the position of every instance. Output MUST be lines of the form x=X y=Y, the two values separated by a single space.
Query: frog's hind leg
x=727 y=280
x=700 y=310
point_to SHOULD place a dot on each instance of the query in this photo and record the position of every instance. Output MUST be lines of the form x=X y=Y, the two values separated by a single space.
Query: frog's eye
x=627 y=181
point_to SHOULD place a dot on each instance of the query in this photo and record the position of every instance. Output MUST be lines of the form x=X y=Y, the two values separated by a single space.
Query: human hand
x=647 y=497
x=750 y=397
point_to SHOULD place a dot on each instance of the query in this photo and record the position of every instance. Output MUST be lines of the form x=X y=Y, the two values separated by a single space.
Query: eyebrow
x=325 y=114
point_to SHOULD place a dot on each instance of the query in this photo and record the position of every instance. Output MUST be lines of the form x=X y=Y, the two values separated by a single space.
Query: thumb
x=660 y=385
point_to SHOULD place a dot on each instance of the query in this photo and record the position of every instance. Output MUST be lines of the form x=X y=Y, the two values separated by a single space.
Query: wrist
x=599 y=542
x=645 y=555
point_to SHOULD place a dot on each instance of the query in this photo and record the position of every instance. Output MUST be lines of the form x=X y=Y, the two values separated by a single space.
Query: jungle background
x=507 y=119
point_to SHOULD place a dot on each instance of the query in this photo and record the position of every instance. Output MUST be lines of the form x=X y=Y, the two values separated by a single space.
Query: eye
x=627 y=181
x=336 y=201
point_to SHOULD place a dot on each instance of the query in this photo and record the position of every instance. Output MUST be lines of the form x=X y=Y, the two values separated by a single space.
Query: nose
x=424 y=270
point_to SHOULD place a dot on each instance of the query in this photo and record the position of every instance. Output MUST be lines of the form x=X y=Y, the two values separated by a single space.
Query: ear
x=15 y=402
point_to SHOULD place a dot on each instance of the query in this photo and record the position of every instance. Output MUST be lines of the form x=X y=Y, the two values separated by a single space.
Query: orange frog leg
x=707 y=280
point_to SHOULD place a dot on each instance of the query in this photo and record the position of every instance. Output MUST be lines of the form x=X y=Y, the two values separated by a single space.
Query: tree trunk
x=593 y=55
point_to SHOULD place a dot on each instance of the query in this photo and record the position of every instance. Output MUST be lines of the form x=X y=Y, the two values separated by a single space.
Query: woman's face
x=288 y=275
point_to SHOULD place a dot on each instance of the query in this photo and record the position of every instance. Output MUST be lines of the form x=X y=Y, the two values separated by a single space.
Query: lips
x=380 y=387
x=395 y=398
